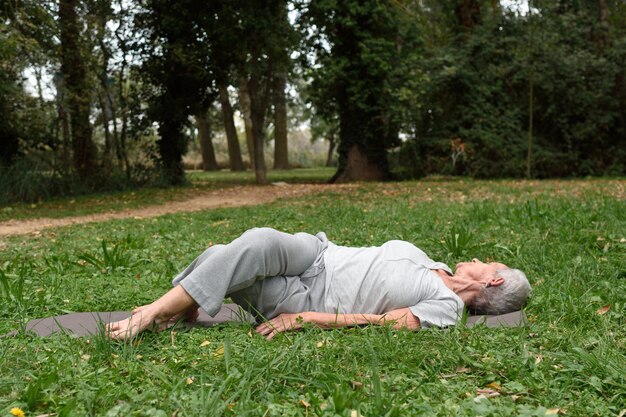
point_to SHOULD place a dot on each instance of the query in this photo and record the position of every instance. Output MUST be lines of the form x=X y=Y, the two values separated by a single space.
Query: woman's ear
x=495 y=281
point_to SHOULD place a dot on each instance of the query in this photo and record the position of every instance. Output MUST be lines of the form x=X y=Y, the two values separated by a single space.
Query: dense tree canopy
x=406 y=88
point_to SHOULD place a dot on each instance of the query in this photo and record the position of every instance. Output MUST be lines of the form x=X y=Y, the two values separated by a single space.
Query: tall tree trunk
x=281 y=156
x=603 y=17
x=172 y=145
x=234 y=151
x=107 y=155
x=531 y=93
x=331 y=149
x=209 y=163
x=259 y=101
x=495 y=8
x=78 y=91
x=120 y=141
x=358 y=166
x=104 y=97
x=244 y=101
x=468 y=13
x=63 y=122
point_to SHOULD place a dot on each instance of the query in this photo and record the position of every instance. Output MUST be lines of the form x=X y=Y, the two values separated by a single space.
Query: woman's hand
x=281 y=323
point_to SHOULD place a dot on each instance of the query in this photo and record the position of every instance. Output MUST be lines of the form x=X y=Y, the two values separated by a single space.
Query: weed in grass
x=458 y=241
x=12 y=286
x=110 y=260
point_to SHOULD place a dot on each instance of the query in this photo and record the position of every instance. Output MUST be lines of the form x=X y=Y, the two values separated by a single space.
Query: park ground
x=568 y=235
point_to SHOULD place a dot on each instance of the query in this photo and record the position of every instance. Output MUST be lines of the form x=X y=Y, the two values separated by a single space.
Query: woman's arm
x=400 y=318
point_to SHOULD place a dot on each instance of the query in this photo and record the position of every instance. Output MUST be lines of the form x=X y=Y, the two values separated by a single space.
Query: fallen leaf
x=622 y=413
x=538 y=359
x=320 y=344
x=487 y=393
x=515 y=397
x=205 y=343
x=219 y=351
x=462 y=370
x=356 y=384
x=603 y=310
x=495 y=386
x=305 y=403
x=230 y=406
x=189 y=381
x=553 y=411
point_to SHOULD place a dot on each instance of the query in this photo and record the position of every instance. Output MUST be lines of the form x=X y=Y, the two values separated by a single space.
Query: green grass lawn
x=569 y=236
x=199 y=181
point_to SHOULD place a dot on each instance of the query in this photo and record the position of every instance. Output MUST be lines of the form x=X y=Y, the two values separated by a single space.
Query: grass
x=569 y=236
x=199 y=181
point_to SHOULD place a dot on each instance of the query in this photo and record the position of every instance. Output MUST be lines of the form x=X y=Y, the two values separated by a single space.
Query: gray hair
x=505 y=298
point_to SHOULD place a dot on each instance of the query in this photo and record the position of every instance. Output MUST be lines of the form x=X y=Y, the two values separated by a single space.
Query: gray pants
x=265 y=271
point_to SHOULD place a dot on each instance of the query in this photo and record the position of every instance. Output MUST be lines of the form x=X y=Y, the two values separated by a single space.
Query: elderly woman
x=290 y=280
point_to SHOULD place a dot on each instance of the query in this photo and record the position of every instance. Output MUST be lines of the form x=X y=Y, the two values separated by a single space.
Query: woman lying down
x=294 y=279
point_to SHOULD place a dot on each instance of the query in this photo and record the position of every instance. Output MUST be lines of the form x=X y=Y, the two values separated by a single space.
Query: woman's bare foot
x=140 y=319
x=176 y=304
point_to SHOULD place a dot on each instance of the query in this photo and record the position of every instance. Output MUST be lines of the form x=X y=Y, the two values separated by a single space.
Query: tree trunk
x=281 y=156
x=108 y=142
x=104 y=96
x=258 y=108
x=209 y=163
x=78 y=90
x=358 y=167
x=234 y=151
x=603 y=17
x=331 y=149
x=172 y=146
x=244 y=101
x=468 y=13
x=62 y=120
x=120 y=141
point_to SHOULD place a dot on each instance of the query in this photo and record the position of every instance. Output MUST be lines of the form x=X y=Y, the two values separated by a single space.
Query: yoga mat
x=84 y=324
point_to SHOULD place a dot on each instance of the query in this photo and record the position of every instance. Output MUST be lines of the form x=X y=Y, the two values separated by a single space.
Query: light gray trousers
x=265 y=271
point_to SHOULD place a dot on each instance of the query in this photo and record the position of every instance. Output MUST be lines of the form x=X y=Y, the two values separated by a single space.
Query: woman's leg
x=255 y=255
x=222 y=270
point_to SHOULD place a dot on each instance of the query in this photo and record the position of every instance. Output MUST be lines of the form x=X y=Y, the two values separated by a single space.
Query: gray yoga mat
x=84 y=324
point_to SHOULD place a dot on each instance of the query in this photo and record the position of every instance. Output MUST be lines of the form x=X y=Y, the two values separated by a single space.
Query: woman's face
x=478 y=271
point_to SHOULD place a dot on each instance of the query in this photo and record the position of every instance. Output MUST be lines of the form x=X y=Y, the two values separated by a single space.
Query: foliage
x=363 y=58
x=567 y=235
x=477 y=91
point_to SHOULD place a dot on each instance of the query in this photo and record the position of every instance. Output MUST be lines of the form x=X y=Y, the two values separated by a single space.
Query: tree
x=209 y=163
x=281 y=152
x=234 y=150
x=357 y=76
x=78 y=89
x=281 y=64
x=180 y=71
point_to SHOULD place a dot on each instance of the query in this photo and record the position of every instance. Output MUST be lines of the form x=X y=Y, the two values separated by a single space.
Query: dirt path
x=225 y=197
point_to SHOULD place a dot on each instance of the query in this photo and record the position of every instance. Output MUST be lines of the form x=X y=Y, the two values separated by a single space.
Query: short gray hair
x=505 y=298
